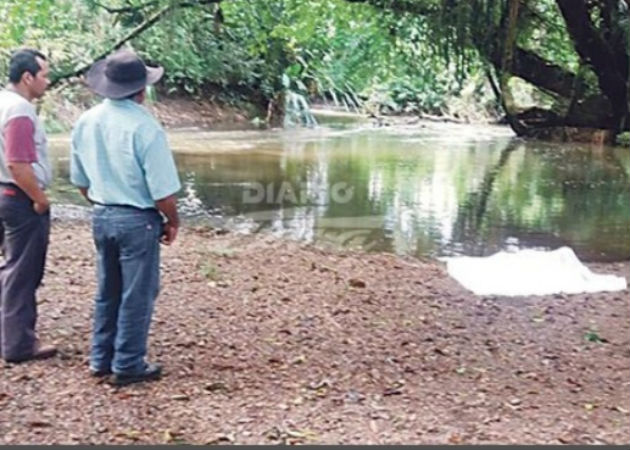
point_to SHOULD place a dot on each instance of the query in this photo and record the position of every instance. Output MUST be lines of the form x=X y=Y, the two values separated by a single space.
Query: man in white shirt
x=24 y=207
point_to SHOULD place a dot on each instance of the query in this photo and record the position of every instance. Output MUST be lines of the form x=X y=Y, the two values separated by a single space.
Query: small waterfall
x=297 y=111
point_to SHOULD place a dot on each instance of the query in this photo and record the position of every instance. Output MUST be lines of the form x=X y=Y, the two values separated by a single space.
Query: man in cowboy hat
x=122 y=164
x=24 y=207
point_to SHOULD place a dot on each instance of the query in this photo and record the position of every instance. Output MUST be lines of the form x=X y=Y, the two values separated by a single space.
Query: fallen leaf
x=128 y=394
x=319 y=385
x=221 y=438
x=168 y=436
x=216 y=386
x=39 y=424
x=301 y=434
x=593 y=336
x=356 y=283
x=133 y=435
x=440 y=351
x=392 y=391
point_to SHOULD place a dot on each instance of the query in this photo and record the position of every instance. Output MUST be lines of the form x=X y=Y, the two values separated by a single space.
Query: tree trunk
x=538 y=71
x=594 y=50
x=506 y=67
x=275 y=110
x=606 y=110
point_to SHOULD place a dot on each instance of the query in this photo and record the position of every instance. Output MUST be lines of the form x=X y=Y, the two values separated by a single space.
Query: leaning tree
x=576 y=51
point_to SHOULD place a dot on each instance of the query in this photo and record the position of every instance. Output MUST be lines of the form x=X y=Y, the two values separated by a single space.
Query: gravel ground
x=270 y=341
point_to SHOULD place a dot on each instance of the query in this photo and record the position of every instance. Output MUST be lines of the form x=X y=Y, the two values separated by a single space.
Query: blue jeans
x=128 y=267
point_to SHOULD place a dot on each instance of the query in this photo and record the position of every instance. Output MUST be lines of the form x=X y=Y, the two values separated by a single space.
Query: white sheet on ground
x=530 y=272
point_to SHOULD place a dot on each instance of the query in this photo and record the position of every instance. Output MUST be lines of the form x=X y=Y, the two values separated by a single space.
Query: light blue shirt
x=121 y=155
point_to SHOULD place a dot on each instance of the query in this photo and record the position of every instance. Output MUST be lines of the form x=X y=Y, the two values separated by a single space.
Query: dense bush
x=346 y=54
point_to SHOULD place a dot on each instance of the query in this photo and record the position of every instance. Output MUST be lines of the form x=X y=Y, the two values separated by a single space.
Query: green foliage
x=349 y=54
x=69 y=32
x=623 y=139
x=544 y=32
x=592 y=336
x=210 y=271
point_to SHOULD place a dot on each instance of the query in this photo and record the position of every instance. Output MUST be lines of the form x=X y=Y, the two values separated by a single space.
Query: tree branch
x=526 y=64
x=594 y=50
x=507 y=62
x=408 y=6
x=538 y=71
x=126 y=9
x=155 y=18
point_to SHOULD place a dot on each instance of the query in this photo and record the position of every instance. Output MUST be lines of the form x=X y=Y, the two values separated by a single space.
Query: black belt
x=121 y=205
x=13 y=190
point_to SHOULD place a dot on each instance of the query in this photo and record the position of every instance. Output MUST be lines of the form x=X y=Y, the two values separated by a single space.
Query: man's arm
x=84 y=192
x=26 y=180
x=168 y=206
x=163 y=182
x=20 y=152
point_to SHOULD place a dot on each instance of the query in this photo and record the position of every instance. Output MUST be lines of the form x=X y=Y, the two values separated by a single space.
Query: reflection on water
x=429 y=190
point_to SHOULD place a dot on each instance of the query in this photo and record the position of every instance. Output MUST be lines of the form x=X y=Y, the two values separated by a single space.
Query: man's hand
x=27 y=181
x=41 y=207
x=168 y=207
x=169 y=234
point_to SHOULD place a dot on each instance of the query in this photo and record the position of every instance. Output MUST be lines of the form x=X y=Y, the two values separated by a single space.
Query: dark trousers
x=24 y=245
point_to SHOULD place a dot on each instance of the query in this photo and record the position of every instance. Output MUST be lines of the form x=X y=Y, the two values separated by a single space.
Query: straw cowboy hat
x=121 y=74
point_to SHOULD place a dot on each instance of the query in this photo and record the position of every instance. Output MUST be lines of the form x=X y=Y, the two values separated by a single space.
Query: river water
x=426 y=190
